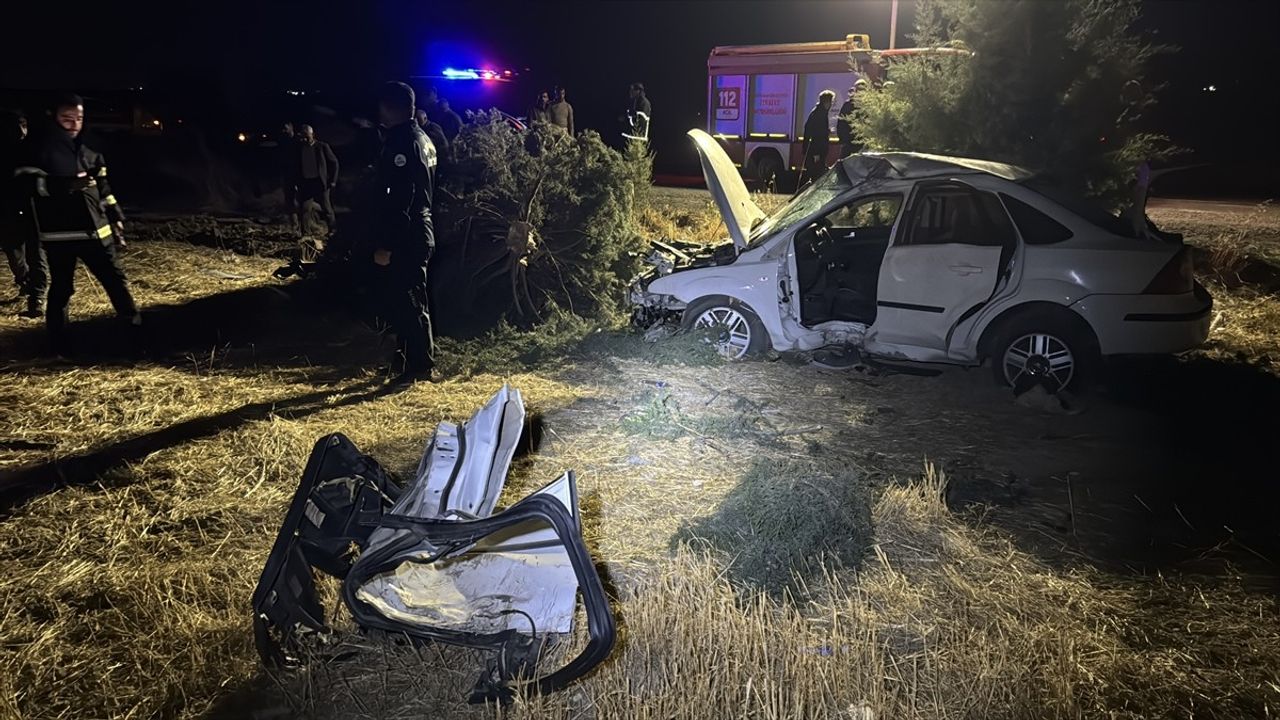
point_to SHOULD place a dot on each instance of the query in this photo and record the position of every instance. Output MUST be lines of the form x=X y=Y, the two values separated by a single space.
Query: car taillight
x=1175 y=278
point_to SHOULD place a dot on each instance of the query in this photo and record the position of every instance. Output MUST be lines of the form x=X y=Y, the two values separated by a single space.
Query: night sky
x=231 y=53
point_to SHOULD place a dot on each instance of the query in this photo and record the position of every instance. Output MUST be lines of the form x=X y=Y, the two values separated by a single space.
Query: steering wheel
x=822 y=240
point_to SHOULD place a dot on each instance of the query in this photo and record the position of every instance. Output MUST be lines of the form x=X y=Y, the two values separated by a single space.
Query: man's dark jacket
x=406 y=180
x=70 y=190
x=326 y=162
x=817 y=133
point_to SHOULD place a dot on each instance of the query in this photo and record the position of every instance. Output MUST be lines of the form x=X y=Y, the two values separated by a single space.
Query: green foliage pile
x=579 y=197
x=1058 y=87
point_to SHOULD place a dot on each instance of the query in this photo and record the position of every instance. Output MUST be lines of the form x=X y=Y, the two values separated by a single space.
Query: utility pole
x=893 y=25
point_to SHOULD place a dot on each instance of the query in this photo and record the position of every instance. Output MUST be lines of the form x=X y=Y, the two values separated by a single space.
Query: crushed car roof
x=919 y=165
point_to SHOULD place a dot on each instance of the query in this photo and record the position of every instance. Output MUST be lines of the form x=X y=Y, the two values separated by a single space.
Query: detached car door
x=946 y=260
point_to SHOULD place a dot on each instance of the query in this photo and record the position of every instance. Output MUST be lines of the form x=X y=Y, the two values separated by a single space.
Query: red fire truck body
x=758 y=96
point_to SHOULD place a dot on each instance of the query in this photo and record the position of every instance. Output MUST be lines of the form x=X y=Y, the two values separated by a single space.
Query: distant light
x=156 y=123
x=1211 y=88
x=242 y=137
x=461 y=74
x=295 y=93
x=477 y=74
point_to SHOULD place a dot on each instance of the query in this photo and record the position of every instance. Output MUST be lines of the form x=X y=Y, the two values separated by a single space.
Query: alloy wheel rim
x=734 y=331
x=1040 y=357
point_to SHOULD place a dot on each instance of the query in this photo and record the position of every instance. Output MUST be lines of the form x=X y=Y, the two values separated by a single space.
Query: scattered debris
x=659 y=331
x=839 y=358
x=434 y=562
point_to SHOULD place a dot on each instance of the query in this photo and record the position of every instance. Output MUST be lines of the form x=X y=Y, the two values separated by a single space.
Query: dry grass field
x=780 y=541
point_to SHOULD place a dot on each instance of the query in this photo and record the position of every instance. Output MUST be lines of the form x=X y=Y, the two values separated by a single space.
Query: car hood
x=739 y=211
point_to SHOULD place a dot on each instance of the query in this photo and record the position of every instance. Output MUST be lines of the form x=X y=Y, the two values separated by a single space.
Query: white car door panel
x=945 y=262
x=925 y=289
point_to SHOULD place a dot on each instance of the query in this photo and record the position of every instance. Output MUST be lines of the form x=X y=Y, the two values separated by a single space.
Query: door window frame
x=902 y=197
x=922 y=187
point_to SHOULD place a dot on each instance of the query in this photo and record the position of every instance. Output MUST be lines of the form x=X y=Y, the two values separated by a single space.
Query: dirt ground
x=1163 y=470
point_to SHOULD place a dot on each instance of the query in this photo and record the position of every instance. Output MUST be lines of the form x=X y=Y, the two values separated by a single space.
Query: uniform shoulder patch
x=399 y=160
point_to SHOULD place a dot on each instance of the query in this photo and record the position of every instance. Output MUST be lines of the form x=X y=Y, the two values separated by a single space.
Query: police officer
x=77 y=218
x=401 y=234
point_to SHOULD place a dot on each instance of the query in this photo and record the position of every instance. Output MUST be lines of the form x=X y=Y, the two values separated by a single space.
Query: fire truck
x=758 y=96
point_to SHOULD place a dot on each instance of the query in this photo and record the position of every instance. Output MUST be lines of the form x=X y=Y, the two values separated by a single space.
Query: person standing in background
x=317 y=176
x=541 y=110
x=817 y=139
x=639 y=113
x=432 y=129
x=450 y=121
x=287 y=164
x=560 y=112
x=17 y=232
x=844 y=124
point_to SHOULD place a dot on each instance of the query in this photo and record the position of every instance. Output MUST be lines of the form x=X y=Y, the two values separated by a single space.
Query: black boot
x=35 y=308
x=409 y=377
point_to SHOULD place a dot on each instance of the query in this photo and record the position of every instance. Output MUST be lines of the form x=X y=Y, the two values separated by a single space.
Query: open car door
x=435 y=563
x=946 y=261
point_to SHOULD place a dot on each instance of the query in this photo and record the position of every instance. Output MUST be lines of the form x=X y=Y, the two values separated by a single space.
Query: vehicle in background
x=758 y=96
x=923 y=258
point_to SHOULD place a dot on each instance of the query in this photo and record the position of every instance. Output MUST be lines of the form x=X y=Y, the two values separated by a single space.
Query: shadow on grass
x=785 y=523
x=21 y=484
x=299 y=325
x=1173 y=472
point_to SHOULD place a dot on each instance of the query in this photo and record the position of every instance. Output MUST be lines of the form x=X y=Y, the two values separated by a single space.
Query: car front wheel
x=1051 y=352
x=732 y=327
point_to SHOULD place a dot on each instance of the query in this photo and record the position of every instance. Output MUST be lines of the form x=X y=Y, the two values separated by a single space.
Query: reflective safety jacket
x=69 y=190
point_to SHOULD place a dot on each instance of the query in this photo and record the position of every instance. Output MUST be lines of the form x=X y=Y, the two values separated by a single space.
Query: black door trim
x=910 y=306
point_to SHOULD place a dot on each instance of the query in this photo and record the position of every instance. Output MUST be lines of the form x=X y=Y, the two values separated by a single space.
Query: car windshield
x=808 y=202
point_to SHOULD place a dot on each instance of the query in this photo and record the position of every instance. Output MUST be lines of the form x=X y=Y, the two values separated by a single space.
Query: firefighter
x=817 y=139
x=639 y=112
x=401 y=233
x=17 y=234
x=77 y=218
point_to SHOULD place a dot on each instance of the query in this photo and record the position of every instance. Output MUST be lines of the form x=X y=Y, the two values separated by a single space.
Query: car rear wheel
x=733 y=328
x=1053 y=352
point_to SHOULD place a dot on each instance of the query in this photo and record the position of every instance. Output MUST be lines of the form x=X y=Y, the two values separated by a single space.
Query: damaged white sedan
x=906 y=256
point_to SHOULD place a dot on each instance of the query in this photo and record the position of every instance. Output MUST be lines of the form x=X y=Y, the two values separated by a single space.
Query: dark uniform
x=17 y=233
x=817 y=139
x=639 y=113
x=844 y=130
x=74 y=213
x=402 y=225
